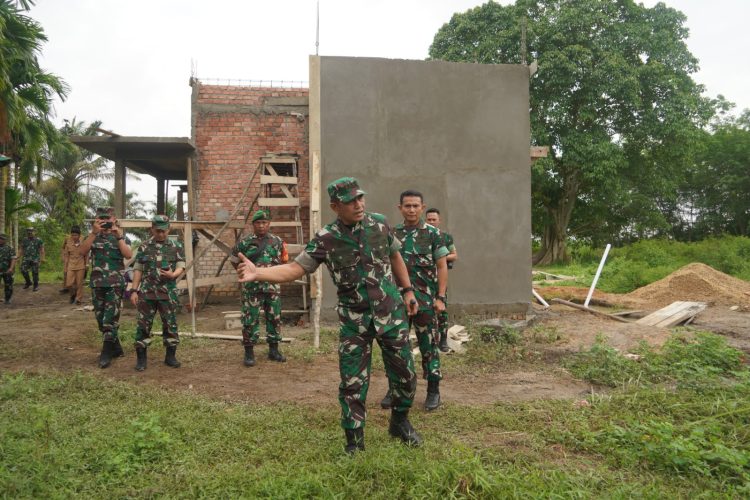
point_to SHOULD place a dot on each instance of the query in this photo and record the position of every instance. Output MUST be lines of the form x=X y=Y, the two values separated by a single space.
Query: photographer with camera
x=108 y=248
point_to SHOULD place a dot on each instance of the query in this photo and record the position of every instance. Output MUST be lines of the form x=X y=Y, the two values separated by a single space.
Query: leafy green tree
x=613 y=97
x=70 y=175
x=26 y=94
x=721 y=183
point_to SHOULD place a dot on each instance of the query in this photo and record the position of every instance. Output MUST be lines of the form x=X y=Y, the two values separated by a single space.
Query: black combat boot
x=72 y=298
x=117 y=352
x=141 y=357
x=274 y=354
x=249 y=356
x=355 y=440
x=443 y=345
x=401 y=428
x=386 y=401
x=36 y=281
x=105 y=358
x=170 y=359
x=433 y=395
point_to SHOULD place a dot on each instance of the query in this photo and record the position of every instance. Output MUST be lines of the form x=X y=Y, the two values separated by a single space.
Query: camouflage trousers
x=252 y=303
x=7 y=278
x=107 y=302
x=425 y=326
x=147 y=309
x=30 y=266
x=355 y=361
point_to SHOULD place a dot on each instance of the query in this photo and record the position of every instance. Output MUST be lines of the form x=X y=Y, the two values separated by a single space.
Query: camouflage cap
x=75 y=230
x=160 y=222
x=344 y=189
x=4 y=236
x=104 y=212
x=261 y=215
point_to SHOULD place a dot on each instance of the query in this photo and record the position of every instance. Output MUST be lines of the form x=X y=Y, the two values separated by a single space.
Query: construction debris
x=225 y=336
x=588 y=310
x=674 y=314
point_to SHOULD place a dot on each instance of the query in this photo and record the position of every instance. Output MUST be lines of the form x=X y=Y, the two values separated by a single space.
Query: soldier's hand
x=116 y=230
x=438 y=305
x=246 y=271
x=167 y=274
x=134 y=298
x=412 y=307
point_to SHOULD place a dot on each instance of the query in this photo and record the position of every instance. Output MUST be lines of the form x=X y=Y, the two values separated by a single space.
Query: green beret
x=261 y=215
x=160 y=222
x=344 y=189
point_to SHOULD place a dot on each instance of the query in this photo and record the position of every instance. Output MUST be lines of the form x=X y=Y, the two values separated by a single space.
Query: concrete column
x=120 y=188
x=180 y=202
x=160 y=196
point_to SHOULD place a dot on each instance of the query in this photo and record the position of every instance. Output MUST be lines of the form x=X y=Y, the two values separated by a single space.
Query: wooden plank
x=224 y=336
x=663 y=313
x=628 y=313
x=278 y=202
x=187 y=241
x=223 y=246
x=127 y=223
x=272 y=159
x=278 y=179
x=687 y=313
x=591 y=311
x=286 y=223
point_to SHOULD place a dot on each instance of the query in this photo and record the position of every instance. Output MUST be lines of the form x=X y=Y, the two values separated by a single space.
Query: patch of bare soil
x=697 y=282
x=42 y=333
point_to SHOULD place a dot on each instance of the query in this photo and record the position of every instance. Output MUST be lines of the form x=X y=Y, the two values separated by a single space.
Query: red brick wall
x=233 y=126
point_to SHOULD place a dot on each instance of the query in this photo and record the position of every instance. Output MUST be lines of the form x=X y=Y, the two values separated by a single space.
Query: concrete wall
x=459 y=133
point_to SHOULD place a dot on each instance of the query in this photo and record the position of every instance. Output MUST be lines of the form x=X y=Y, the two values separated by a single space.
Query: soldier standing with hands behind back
x=7 y=266
x=108 y=249
x=264 y=250
x=158 y=264
x=433 y=218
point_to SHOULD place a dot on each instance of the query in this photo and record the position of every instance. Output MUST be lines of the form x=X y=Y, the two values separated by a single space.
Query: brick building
x=233 y=126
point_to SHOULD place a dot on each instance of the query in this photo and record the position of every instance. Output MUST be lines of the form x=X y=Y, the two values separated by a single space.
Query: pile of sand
x=696 y=282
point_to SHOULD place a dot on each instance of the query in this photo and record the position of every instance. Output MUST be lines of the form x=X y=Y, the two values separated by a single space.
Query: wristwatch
x=121 y=238
x=406 y=289
x=442 y=298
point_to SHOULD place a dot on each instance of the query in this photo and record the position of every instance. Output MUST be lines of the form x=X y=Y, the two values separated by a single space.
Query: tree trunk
x=554 y=249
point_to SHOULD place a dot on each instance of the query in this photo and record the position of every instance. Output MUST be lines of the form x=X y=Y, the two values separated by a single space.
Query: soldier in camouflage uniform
x=108 y=248
x=433 y=218
x=362 y=257
x=424 y=253
x=32 y=254
x=159 y=262
x=7 y=266
x=264 y=250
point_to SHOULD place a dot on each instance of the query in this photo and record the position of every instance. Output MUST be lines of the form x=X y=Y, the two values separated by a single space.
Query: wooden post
x=180 y=215
x=316 y=289
x=188 y=238
x=160 y=196
x=120 y=188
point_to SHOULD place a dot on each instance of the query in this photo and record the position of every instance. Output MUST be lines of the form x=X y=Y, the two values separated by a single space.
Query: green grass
x=680 y=429
x=646 y=261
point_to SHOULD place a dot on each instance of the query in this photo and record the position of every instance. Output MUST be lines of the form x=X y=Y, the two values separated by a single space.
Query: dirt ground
x=41 y=333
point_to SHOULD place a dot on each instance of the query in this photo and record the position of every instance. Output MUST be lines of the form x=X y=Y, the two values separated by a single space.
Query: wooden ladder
x=281 y=170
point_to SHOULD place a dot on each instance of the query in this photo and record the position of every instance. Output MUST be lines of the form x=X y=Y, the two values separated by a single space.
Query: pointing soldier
x=108 y=249
x=362 y=257
x=264 y=250
x=158 y=264
x=7 y=266
x=32 y=254
x=425 y=255
x=433 y=218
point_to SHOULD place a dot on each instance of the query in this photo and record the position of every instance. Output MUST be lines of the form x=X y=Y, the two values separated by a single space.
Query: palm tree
x=26 y=94
x=68 y=188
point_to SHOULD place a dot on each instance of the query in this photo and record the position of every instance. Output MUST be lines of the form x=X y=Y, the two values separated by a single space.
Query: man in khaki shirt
x=75 y=263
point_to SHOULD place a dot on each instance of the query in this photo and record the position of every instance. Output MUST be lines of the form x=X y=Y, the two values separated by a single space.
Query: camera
x=106 y=225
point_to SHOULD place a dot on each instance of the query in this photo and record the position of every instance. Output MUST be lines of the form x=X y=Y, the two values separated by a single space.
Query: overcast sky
x=128 y=61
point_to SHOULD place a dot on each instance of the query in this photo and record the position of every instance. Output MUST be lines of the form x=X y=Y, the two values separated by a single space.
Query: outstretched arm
x=247 y=272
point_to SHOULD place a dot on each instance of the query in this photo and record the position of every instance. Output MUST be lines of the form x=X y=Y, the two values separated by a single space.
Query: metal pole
x=596 y=276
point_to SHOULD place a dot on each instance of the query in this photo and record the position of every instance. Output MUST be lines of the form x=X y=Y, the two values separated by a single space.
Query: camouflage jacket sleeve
x=314 y=253
x=439 y=249
x=138 y=262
